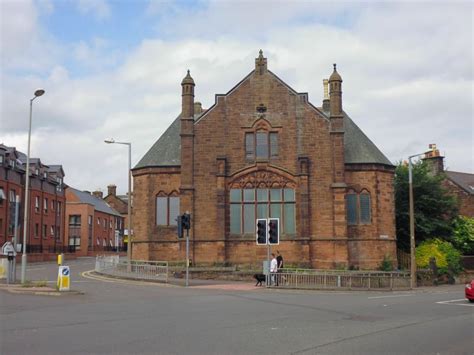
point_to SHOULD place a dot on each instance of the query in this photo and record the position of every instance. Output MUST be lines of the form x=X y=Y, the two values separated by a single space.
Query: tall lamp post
x=412 y=222
x=38 y=93
x=129 y=243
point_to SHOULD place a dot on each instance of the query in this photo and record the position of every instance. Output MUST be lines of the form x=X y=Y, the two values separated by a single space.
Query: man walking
x=279 y=259
x=273 y=269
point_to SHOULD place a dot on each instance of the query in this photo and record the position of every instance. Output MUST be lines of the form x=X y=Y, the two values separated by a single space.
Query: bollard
x=60 y=259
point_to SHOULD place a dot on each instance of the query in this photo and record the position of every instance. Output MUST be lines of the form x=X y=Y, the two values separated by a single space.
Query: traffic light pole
x=187 y=257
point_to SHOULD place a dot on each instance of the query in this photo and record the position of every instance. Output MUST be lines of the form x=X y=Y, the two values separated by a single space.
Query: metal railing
x=137 y=269
x=334 y=279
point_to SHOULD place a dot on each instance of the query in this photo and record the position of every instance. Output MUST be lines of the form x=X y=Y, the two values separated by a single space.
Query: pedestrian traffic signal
x=261 y=231
x=274 y=231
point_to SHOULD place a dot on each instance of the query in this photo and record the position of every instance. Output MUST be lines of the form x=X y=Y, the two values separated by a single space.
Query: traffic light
x=179 y=220
x=261 y=231
x=273 y=231
x=186 y=220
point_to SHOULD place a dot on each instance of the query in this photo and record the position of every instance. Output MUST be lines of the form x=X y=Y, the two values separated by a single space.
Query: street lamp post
x=38 y=93
x=412 y=222
x=129 y=243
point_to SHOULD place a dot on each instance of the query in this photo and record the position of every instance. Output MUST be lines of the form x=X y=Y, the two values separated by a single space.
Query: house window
x=1 y=159
x=261 y=145
x=45 y=205
x=36 y=230
x=59 y=208
x=246 y=205
x=2 y=196
x=98 y=221
x=52 y=230
x=358 y=208
x=167 y=210
x=37 y=204
x=12 y=196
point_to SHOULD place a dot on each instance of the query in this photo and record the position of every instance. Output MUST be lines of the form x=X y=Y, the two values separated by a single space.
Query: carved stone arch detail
x=262 y=178
x=262 y=124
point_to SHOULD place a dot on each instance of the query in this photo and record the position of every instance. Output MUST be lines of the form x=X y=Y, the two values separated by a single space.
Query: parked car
x=469 y=290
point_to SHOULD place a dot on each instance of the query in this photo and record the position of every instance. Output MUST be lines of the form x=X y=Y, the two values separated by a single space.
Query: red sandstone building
x=263 y=150
x=93 y=226
x=45 y=232
x=459 y=184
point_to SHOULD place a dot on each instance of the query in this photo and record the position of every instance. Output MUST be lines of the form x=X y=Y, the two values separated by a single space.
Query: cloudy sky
x=113 y=69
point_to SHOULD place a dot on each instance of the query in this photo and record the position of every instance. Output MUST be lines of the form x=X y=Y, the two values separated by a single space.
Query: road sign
x=64 y=278
x=8 y=248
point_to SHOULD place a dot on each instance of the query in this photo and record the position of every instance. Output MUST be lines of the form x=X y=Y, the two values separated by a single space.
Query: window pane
x=249 y=146
x=161 y=210
x=174 y=210
x=235 y=195
x=249 y=218
x=274 y=144
x=249 y=195
x=275 y=210
x=364 y=208
x=235 y=219
x=262 y=145
x=262 y=210
x=275 y=194
x=262 y=195
x=351 y=208
x=289 y=223
x=289 y=195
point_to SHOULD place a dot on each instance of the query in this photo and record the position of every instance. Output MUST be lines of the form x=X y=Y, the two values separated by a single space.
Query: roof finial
x=260 y=63
x=333 y=65
x=260 y=53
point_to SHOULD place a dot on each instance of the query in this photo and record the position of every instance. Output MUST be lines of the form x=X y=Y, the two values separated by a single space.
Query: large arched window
x=358 y=208
x=167 y=209
x=248 y=204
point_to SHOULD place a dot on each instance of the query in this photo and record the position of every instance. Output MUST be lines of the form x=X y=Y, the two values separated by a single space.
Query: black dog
x=260 y=278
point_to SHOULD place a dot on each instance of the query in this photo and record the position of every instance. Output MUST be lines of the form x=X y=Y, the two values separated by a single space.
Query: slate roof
x=358 y=148
x=98 y=203
x=464 y=180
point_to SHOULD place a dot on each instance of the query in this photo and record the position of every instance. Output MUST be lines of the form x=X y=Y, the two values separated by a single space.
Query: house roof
x=358 y=148
x=464 y=180
x=98 y=203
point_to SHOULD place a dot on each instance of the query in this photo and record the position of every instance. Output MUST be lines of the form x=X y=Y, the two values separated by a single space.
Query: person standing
x=279 y=259
x=273 y=269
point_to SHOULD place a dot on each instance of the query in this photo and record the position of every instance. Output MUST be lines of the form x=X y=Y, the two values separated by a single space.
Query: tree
x=463 y=235
x=434 y=207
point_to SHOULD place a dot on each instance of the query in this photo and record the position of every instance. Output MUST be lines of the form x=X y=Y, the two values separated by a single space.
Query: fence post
x=369 y=281
x=391 y=281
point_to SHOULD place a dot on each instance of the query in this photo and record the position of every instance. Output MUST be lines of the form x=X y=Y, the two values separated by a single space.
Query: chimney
x=326 y=106
x=112 y=190
x=98 y=194
x=335 y=93
x=197 y=107
x=187 y=97
x=434 y=160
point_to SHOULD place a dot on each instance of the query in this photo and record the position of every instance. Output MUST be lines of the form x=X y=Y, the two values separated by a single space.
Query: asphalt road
x=117 y=317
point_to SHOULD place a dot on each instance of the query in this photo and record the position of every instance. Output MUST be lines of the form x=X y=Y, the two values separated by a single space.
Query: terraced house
x=263 y=150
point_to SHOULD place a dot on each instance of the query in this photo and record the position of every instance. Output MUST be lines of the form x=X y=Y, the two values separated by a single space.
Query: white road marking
x=391 y=296
x=451 y=302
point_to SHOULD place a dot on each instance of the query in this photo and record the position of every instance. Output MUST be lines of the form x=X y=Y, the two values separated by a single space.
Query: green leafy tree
x=463 y=235
x=434 y=207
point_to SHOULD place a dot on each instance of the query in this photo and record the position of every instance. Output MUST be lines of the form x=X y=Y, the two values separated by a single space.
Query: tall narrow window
x=262 y=145
x=351 y=200
x=364 y=200
x=162 y=211
x=273 y=145
x=174 y=210
x=37 y=204
x=249 y=146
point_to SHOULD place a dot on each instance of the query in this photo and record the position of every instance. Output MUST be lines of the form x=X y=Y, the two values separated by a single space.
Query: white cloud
x=406 y=85
x=100 y=9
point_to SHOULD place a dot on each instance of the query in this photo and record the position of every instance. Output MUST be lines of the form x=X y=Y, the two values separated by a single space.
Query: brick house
x=120 y=204
x=459 y=184
x=45 y=232
x=93 y=226
x=263 y=150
